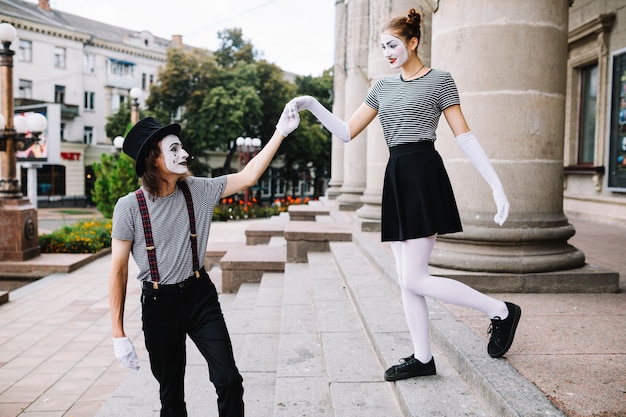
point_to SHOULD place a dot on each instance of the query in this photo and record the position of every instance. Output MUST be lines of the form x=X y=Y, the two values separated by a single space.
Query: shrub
x=88 y=236
x=235 y=208
x=91 y=236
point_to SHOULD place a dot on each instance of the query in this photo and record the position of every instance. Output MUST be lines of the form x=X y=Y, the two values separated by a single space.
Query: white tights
x=412 y=263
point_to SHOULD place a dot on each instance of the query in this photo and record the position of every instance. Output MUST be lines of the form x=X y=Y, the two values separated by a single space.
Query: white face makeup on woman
x=174 y=156
x=394 y=50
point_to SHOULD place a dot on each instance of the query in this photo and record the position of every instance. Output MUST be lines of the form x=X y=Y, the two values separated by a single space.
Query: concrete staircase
x=314 y=340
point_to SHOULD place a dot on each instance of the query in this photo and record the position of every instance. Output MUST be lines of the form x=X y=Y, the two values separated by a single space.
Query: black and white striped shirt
x=409 y=111
x=170 y=227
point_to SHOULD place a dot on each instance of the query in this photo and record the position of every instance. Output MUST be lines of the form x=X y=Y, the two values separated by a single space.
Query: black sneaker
x=410 y=367
x=503 y=331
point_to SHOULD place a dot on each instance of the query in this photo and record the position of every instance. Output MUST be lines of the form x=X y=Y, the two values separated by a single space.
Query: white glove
x=472 y=149
x=335 y=125
x=125 y=352
x=289 y=120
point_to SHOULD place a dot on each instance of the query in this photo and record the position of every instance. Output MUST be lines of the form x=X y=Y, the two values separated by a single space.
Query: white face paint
x=394 y=50
x=174 y=156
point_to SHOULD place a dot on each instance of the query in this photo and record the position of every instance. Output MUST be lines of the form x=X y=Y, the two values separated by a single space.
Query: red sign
x=70 y=156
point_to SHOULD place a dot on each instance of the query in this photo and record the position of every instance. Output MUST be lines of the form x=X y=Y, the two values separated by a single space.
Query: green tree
x=221 y=96
x=307 y=150
x=118 y=123
x=115 y=177
x=234 y=49
x=115 y=174
x=184 y=82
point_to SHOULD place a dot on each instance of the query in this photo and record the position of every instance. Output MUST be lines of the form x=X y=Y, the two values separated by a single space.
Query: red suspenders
x=147 y=231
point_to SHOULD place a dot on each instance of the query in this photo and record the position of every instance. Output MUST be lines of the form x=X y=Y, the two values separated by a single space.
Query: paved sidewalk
x=56 y=355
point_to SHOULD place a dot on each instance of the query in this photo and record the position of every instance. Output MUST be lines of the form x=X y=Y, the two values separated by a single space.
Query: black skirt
x=418 y=200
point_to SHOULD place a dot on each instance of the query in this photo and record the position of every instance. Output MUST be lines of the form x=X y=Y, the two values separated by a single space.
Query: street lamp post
x=247 y=148
x=18 y=218
x=135 y=93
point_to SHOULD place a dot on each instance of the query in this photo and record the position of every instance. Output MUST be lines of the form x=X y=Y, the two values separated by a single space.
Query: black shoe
x=410 y=367
x=503 y=331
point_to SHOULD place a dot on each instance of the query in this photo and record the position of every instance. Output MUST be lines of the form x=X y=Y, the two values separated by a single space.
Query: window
x=617 y=144
x=59 y=94
x=25 y=51
x=89 y=63
x=50 y=180
x=151 y=80
x=59 y=57
x=89 y=100
x=587 y=116
x=143 y=81
x=62 y=132
x=25 y=89
x=121 y=68
x=88 y=135
x=586 y=101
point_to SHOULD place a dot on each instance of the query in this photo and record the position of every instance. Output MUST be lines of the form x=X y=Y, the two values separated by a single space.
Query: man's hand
x=289 y=120
x=125 y=352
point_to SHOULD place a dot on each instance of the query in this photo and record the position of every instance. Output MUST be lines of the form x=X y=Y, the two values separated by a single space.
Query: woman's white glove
x=335 y=125
x=472 y=149
x=125 y=352
x=289 y=120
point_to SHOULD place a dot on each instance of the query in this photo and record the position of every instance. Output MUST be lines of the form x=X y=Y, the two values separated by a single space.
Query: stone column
x=356 y=85
x=377 y=152
x=509 y=60
x=339 y=84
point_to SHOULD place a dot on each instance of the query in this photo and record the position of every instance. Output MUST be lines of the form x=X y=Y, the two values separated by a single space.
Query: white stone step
x=381 y=313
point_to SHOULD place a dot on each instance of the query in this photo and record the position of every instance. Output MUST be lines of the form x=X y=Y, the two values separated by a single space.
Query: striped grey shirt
x=170 y=227
x=409 y=111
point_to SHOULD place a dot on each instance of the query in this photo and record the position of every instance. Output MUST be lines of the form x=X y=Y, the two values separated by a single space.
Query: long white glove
x=125 y=352
x=335 y=125
x=289 y=120
x=472 y=149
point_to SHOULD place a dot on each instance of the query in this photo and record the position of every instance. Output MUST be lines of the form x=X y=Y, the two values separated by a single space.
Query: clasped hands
x=290 y=118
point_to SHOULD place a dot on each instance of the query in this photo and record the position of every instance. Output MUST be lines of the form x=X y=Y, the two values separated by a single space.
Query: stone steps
x=314 y=338
x=470 y=378
x=377 y=310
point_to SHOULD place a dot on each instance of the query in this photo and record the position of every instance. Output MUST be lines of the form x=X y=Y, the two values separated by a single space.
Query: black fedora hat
x=144 y=132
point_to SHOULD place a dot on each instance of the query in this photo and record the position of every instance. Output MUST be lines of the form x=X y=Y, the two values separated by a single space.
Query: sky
x=296 y=35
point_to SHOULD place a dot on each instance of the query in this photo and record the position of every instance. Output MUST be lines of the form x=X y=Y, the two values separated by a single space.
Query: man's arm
x=250 y=174
x=118 y=279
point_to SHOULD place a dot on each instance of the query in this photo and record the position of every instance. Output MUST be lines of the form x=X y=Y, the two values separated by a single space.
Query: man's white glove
x=472 y=149
x=335 y=125
x=289 y=120
x=125 y=352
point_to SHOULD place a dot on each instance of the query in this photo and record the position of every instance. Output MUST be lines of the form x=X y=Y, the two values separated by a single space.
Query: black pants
x=171 y=312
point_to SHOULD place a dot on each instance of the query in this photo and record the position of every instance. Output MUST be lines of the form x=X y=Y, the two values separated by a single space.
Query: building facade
x=595 y=113
x=77 y=72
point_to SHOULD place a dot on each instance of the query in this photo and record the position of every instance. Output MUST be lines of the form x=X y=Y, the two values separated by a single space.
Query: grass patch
x=74 y=211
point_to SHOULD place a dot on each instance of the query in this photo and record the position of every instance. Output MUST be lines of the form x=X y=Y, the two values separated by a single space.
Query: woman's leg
x=415 y=309
x=416 y=279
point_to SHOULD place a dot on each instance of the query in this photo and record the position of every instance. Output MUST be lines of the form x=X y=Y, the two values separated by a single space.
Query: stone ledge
x=306 y=212
x=215 y=251
x=586 y=279
x=248 y=263
x=303 y=237
x=260 y=233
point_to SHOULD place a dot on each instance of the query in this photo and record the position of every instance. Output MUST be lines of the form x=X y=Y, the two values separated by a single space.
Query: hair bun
x=414 y=17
